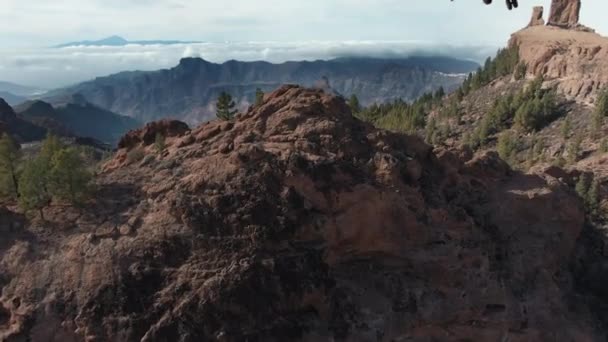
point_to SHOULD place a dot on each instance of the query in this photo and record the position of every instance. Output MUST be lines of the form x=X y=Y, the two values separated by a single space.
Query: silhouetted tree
x=566 y=128
x=225 y=107
x=353 y=103
x=592 y=200
x=159 y=143
x=259 y=97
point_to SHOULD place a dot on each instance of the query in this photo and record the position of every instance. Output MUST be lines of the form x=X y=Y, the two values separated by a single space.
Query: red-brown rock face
x=565 y=13
x=147 y=135
x=296 y=221
x=574 y=61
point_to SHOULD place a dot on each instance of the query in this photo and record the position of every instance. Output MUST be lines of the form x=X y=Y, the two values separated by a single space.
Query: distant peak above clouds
x=120 y=41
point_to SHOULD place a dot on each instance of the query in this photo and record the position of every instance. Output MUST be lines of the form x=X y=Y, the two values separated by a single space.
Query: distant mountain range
x=189 y=90
x=120 y=41
x=21 y=129
x=20 y=90
x=15 y=94
x=11 y=98
x=30 y=121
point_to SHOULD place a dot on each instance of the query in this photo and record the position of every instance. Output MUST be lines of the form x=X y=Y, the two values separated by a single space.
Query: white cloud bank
x=307 y=29
x=52 y=68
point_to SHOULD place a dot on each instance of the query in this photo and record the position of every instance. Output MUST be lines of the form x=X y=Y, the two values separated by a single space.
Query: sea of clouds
x=57 y=67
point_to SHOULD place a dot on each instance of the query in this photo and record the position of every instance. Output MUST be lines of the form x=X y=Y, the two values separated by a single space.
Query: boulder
x=147 y=135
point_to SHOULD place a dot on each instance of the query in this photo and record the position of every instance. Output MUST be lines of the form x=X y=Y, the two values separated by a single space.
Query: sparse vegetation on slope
x=57 y=172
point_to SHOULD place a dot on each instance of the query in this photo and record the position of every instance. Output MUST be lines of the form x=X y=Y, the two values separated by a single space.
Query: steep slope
x=78 y=118
x=21 y=130
x=11 y=98
x=576 y=62
x=19 y=90
x=188 y=91
x=559 y=122
x=299 y=222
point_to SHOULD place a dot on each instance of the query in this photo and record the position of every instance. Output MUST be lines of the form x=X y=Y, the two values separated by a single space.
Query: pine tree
x=431 y=131
x=9 y=162
x=582 y=186
x=574 y=149
x=33 y=187
x=539 y=150
x=225 y=107
x=592 y=199
x=439 y=94
x=566 y=128
x=354 y=104
x=506 y=146
x=50 y=146
x=601 y=107
x=259 y=97
x=597 y=121
x=69 y=178
x=520 y=71
x=159 y=143
x=604 y=146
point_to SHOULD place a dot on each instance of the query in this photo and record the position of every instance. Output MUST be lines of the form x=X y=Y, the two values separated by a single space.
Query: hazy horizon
x=270 y=30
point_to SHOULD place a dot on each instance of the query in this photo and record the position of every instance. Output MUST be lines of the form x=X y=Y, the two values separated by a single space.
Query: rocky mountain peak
x=312 y=210
x=6 y=111
x=565 y=13
x=537 y=16
x=569 y=55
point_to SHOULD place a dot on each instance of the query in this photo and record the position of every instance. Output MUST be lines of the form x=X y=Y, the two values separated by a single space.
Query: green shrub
x=159 y=143
x=507 y=145
x=604 y=146
x=520 y=71
x=135 y=155
x=574 y=148
x=10 y=157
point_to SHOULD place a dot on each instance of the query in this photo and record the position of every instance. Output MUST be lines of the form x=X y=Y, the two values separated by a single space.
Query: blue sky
x=44 y=22
x=281 y=30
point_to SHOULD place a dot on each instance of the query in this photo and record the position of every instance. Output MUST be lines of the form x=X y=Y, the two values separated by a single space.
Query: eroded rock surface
x=575 y=61
x=537 y=17
x=565 y=13
x=296 y=221
x=147 y=135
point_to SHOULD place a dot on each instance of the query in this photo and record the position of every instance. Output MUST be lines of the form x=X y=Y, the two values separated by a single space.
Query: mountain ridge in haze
x=77 y=117
x=11 y=98
x=19 y=89
x=120 y=41
x=188 y=91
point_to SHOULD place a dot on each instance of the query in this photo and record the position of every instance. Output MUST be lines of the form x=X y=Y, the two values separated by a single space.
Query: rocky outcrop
x=575 y=62
x=537 y=17
x=565 y=13
x=296 y=221
x=147 y=135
